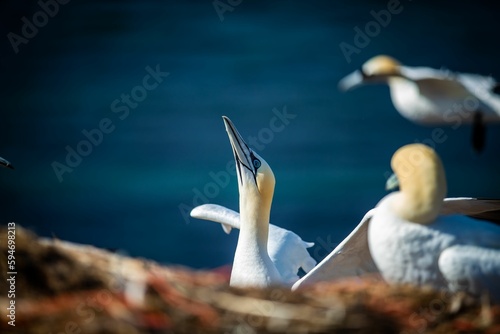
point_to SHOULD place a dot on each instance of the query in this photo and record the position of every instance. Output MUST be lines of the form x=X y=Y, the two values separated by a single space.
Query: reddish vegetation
x=63 y=287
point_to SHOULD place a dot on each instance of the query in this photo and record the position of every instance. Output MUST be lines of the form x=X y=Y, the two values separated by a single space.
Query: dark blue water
x=160 y=152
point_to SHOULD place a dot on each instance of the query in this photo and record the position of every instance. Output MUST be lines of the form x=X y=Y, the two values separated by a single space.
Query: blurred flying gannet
x=5 y=163
x=252 y=265
x=431 y=97
x=286 y=249
x=414 y=236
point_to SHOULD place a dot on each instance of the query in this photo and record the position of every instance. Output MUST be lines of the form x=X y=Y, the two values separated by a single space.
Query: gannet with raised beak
x=414 y=236
x=433 y=97
x=252 y=265
x=286 y=249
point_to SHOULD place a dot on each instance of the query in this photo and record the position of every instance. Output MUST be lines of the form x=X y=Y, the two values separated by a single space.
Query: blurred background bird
x=434 y=97
x=417 y=236
x=412 y=242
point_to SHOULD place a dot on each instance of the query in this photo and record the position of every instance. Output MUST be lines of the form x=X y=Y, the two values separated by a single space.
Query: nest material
x=70 y=288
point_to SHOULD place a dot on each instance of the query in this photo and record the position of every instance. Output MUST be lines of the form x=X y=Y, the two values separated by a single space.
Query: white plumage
x=434 y=97
x=257 y=262
x=286 y=249
x=350 y=258
x=453 y=252
x=411 y=242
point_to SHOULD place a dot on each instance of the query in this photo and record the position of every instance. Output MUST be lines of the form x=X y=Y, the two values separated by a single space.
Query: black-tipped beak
x=392 y=183
x=242 y=152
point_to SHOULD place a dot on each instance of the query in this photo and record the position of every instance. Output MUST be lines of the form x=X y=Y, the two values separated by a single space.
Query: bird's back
x=407 y=252
x=432 y=96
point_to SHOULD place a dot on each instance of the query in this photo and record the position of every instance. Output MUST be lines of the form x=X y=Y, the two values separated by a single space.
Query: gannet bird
x=252 y=265
x=286 y=249
x=412 y=243
x=433 y=97
x=414 y=236
x=5 y=163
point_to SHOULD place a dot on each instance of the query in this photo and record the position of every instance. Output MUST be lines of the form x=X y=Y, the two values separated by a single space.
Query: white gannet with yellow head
x=432 y=97
x=411 y=242
x=418 y=236
x=252 y=265
x=287 y=250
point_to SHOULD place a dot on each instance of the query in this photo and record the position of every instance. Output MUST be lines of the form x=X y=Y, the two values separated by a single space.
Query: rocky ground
x=61 y=287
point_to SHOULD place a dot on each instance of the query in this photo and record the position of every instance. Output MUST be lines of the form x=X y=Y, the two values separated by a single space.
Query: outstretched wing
x=486 y=91
x=289 y=253
x=350 y=258
x=286 y=249
x=479 y=208
x=471 y=268
x=228 y=218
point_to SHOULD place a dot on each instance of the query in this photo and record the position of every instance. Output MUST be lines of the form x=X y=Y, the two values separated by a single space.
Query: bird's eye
x=256 y=163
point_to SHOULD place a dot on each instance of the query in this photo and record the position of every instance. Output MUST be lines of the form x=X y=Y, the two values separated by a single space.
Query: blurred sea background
x=132 y=191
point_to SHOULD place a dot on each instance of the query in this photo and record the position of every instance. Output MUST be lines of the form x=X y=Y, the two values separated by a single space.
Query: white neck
x=252 y=265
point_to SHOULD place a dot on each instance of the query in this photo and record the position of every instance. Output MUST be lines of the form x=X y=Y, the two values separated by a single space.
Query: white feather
x=286 y=249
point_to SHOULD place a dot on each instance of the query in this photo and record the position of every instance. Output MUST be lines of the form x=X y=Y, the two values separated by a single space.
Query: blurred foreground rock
x=63 y=287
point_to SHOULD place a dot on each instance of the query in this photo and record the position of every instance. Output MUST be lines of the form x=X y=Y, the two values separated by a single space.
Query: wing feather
x=350 y=258
x=479 y=208
x=217 y=213
x=286 y=249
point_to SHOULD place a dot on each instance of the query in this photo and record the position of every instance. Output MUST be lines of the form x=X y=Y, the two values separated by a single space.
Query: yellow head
x=379 y=69
x=381 y=66
x=422 y=183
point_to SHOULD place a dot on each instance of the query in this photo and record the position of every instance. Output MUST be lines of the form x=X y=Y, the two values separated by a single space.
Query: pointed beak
x=392 y=183
x=242 y=153
x=5 y=163
x=351 y=81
